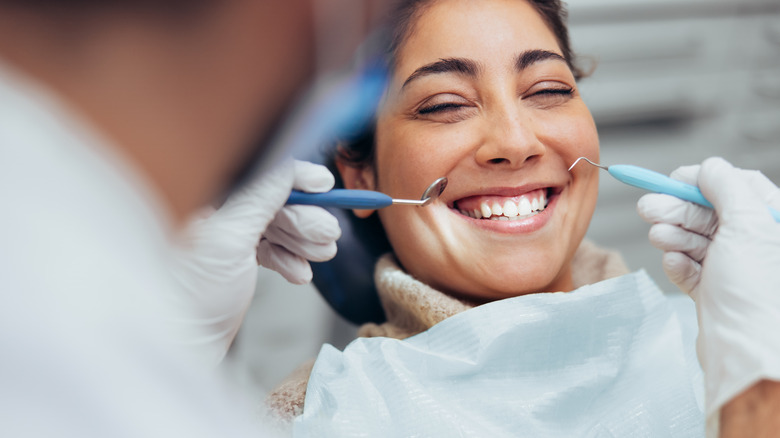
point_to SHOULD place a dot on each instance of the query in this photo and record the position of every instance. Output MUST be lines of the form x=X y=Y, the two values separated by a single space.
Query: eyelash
x=554 y=91
x=438 y=108
x=441 y=107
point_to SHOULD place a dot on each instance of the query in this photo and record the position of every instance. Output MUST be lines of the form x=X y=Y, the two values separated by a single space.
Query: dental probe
x=658 y=183
x=364 y=199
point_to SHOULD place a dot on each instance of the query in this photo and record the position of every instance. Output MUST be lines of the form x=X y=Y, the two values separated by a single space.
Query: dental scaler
x=655 y=182
x=365 y=199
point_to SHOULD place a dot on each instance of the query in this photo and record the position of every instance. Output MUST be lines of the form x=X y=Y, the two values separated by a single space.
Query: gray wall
x=676 y=82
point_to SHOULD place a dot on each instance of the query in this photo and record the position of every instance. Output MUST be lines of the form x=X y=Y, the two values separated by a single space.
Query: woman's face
x=481 y=94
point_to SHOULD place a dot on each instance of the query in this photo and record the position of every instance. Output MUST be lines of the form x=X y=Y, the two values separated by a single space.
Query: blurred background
x=675 y=81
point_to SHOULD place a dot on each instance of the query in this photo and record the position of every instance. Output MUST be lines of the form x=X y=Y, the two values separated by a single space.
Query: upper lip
x=505 y=191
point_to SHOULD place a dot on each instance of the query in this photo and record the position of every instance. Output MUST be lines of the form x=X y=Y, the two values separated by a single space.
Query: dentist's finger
x=668 y=237
x=311 y=223
x=312 y=178
x=658 y=208
x=738 y=195
x=317 y=252
x=682 y=271
x=293 y=268
x=687 y=174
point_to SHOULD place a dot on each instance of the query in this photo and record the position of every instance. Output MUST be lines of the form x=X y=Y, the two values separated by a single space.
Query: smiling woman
x=484 y=93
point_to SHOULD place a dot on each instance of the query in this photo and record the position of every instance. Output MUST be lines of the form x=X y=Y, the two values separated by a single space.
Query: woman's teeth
x=523 y=208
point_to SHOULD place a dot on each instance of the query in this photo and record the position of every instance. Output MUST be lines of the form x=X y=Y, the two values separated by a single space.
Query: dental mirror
x=365 y=199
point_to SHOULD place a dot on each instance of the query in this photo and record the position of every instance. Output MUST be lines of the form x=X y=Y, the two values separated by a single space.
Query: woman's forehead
x=487 y=32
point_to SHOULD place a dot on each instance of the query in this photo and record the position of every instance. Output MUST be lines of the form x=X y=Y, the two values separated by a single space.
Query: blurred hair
x=359 y=151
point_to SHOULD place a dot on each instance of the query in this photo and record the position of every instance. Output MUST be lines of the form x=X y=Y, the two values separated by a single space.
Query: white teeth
x=485 y=211
x=524 y=207
x=510 y=209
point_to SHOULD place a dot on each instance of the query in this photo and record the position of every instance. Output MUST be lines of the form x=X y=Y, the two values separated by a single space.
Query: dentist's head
x=187 y=90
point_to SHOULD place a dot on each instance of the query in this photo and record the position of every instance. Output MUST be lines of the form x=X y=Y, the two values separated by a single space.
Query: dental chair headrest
x=347 y=281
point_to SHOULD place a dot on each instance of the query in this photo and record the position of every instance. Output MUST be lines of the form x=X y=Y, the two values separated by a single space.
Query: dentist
x=120 y=122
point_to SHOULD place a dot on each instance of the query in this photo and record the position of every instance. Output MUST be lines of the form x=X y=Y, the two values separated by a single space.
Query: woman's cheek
x=424 y=153
x=571 y=137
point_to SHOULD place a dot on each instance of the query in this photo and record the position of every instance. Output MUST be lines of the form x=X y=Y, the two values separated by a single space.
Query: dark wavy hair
x=359 y=150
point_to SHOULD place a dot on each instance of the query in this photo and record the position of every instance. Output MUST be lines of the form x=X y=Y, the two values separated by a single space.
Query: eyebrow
x=450 y=65
x=530 y=57
x=470 y=68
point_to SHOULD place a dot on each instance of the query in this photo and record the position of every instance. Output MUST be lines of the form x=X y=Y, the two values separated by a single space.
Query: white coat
x=89 y=345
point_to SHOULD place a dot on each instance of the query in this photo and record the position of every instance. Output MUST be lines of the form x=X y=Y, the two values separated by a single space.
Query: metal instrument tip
x=591 y=162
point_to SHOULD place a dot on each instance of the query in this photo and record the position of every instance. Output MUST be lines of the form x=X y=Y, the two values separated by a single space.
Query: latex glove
x=728 y=260
x=218 y=263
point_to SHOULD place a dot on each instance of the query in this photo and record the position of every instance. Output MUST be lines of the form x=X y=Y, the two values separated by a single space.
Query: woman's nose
x=510 y=141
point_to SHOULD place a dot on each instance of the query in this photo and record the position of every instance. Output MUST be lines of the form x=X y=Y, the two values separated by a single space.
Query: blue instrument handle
x=342 y=198
x=659 y=183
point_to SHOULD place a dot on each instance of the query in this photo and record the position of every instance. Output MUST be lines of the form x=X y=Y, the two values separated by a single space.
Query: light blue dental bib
x=612 y=359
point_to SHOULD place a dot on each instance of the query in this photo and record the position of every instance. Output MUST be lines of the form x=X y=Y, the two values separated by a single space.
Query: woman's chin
x=485 y=288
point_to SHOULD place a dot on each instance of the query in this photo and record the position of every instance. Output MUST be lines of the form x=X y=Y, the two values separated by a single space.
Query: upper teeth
x=509 y=209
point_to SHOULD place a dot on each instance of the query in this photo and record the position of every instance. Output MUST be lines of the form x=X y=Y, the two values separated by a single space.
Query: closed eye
x=550 y=97
x=440 y=107
x=554 y=91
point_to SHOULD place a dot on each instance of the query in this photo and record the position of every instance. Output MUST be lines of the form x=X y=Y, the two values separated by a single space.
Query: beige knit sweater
x=412 y=307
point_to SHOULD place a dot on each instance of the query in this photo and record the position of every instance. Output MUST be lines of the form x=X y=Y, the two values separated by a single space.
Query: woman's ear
x=357 y=178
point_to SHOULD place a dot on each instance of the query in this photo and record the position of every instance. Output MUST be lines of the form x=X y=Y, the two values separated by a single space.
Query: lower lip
x=519 y=226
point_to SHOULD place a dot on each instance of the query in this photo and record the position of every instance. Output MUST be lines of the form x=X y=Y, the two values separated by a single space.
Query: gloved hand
x=217 y=265
x=728 y=260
